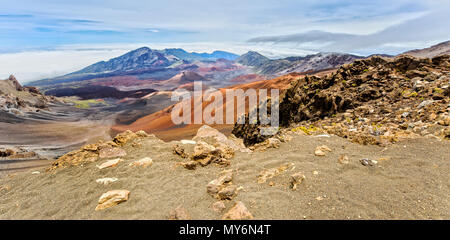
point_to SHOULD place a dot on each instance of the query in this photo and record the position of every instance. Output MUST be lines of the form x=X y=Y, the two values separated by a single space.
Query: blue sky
x=278 y=28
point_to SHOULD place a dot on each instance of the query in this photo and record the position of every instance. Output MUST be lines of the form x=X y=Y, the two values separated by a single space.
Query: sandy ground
x=412 y=184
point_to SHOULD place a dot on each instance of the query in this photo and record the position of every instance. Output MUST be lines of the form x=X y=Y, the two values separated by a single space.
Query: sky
x=46 y=38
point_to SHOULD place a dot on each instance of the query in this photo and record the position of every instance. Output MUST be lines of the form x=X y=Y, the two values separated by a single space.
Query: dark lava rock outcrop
x=369 y=101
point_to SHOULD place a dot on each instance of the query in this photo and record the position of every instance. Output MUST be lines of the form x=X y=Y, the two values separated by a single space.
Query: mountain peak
x=253 y=59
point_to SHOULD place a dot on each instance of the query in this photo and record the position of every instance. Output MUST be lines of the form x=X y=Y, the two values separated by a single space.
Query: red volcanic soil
x=160 y=123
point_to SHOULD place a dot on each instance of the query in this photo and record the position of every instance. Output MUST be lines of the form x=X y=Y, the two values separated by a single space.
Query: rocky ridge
x=371 y=101
x=16 y=99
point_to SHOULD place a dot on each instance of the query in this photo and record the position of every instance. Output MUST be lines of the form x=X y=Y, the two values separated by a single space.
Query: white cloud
x=28 y=66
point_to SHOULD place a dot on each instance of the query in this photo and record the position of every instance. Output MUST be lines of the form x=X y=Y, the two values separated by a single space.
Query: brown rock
x=178 y=150
x=296 y=179
x=320 y=150
x=343 y=159
x=227 y=193
x=270 y=173
x=179 y=213
x=218 y=206
x=128 y=136
x=222 y=161
x=191 y=165
x=212 y=136
x=112 y=198
x=238 y=212
x=216 y=185
x=204 y=153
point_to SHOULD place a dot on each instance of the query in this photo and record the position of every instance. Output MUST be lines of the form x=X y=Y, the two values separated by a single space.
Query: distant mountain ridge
x=435 y=50
x=315 y=62
x=149 y=58
x=143 y=63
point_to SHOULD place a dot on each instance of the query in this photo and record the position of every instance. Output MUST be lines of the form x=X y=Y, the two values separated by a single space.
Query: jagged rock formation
x=369 y=101
x=16 y=99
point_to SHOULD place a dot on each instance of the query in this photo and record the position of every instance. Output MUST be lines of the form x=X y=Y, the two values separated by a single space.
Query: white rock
x=322 y=135
x=106 y=181
x=110 y=163
x=188 y=142
x=145 y=162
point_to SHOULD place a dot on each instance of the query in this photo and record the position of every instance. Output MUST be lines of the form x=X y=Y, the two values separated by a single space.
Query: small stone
x=315 y=172
x=296 y=179
x=112 y=198
x=191 y=165
x=36 y=172
x=222 y=161
x=179 y=213
x=109 y=163
x=273 y=143
x=322 y=135
x=188 y=142
x=238 y=212
x=270 y=173
x=218 y=206
x=319 y=153
x=111 y=152
x=320 y=150
x=145 y=162
x=106 y=181
x=368 y=162
x=178 y=150
x=319 y=198
x=216 y=185
x=343 y=159
x=227 y=193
